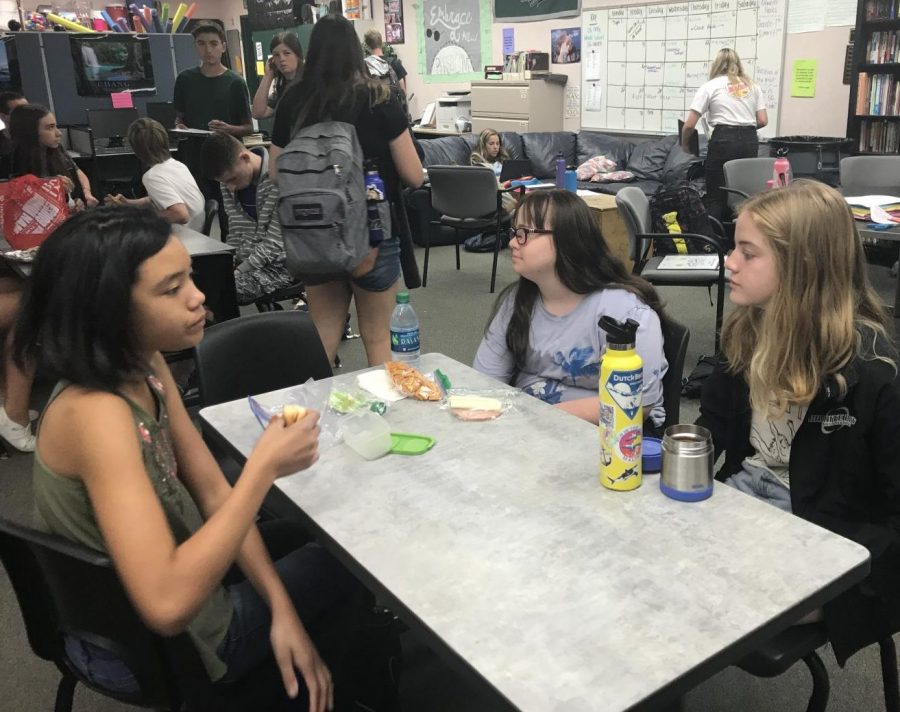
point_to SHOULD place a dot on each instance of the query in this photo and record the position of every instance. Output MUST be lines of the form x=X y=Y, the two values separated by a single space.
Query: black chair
x=800 y=642
x=257 y=353
x=270 y=302
x=64 y=588
x=675 y=344
x=210 y=211
x=467 y=198
x=634 y=207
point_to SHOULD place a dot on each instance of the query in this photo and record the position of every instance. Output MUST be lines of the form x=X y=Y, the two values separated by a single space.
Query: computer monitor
x=162 y=111
x=694 y=143
x=108 y=63
x=10 y=77
x=111 y=123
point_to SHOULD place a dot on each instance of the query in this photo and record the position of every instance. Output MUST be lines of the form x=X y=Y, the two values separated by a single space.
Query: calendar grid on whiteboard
x=644 y=63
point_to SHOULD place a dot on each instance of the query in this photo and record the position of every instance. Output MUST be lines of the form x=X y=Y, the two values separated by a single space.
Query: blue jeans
x=326 y=596
x=379 y=279
x=762 y=484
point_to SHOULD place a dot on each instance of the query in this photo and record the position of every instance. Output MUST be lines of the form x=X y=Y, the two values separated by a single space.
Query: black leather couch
x=656 y=164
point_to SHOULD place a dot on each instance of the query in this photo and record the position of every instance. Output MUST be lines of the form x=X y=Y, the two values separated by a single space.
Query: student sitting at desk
x=250 y=200
x=735 y=108
x=36 y=151
x=543 y=335
x=116 y=448
x=171 y=189
x=805 y=399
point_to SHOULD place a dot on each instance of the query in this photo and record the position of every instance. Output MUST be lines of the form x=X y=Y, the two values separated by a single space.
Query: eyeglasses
x=524 y=234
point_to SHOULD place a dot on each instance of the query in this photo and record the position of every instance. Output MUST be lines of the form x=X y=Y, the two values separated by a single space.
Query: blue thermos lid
x=651 y=456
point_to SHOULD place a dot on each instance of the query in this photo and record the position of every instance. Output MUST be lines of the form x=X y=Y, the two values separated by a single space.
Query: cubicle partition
x=170 y=54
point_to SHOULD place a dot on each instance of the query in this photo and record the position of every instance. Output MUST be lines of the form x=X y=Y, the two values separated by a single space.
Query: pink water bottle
x=781 y=171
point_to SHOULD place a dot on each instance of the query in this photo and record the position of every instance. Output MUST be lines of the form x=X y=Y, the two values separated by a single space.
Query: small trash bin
x=817 y=157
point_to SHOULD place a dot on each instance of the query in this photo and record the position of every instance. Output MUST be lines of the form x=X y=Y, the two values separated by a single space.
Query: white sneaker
x=19 y=436
x=32 y=414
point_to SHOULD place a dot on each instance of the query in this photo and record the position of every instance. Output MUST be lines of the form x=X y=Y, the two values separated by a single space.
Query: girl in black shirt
x=336 y=86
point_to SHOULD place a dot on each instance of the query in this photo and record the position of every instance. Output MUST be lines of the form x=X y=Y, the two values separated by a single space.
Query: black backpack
x=389 y=77
x=685 y=202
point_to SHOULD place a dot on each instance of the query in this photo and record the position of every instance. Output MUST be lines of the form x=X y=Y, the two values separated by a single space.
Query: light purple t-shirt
x=563 y=361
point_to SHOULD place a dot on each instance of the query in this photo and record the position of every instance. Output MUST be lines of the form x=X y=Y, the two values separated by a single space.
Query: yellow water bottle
x=621 y=414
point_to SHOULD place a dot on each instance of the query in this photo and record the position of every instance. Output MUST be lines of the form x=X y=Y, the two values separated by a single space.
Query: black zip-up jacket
x=845 y=477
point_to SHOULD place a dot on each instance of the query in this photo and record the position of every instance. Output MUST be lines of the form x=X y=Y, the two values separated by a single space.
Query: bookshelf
x=873 y=120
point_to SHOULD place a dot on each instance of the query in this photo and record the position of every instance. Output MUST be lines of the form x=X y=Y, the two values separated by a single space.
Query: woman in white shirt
x=171 y=189
x=735 y=108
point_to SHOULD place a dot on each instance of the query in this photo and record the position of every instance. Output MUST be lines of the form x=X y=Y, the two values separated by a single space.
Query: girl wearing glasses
x=807 y=410
x=543 y=335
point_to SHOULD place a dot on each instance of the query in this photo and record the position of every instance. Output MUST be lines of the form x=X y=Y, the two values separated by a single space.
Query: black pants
x=726 y=144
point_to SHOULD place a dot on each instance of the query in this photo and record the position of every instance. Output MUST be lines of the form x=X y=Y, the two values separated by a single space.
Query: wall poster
x=454 y=39
x=393 y=21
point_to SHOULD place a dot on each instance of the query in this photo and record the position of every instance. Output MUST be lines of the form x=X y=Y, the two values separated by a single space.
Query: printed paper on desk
x=122 y=100
x=870 y=201
x=689 y=262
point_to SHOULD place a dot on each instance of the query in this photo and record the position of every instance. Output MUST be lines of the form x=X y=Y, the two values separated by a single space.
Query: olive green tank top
x=62 y=507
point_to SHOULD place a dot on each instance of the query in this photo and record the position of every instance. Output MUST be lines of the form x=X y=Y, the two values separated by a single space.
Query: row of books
x=883 y=47
x=877 y=95
x=882 y=9
x=879 y=136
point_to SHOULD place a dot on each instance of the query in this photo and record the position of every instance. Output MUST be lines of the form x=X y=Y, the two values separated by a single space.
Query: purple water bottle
x=374 y=196
x=560 y=170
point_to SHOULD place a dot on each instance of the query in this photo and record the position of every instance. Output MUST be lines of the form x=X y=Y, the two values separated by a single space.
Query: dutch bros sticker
x=626 y=388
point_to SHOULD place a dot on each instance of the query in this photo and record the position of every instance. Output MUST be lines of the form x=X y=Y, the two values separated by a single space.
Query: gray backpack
x=323 y=200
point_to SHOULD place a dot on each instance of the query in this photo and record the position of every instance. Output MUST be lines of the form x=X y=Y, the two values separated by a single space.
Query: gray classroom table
x=501 y=547
x=871 y=237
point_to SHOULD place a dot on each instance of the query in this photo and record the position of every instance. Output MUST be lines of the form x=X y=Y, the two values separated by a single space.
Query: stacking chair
x=745 y=177
x=467 y=198
x=210 y=210
x=271 y=302
x=675 y=344
x=257 y=353
x=800 y=642
x=870 y=175
x=64 y=588
x=634 y=207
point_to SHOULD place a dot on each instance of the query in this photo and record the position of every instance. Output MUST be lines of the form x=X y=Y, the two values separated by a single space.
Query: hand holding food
x=292 y=413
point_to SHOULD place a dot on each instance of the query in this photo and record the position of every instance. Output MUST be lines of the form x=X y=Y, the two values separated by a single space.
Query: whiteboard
x=642 y=64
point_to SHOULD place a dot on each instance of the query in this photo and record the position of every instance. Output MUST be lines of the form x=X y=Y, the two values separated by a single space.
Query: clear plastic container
x=367 y=433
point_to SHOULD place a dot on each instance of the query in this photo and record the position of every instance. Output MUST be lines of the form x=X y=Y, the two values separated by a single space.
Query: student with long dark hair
x=336 y=85
x=120 y=467
x=284 y=66
x=36 y=150
x=543 y=336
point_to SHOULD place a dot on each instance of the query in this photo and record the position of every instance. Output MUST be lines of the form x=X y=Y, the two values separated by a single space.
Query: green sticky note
x=803 y=77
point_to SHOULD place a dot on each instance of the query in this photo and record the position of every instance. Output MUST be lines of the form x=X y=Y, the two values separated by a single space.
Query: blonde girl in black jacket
x=805 y=400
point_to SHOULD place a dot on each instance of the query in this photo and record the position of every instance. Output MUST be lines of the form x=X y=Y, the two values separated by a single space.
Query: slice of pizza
x=411 y=382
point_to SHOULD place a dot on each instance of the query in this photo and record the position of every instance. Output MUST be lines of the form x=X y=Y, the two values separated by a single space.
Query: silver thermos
x=687 y=463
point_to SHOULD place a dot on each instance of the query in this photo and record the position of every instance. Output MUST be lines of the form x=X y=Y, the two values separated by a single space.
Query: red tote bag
x=31 y=208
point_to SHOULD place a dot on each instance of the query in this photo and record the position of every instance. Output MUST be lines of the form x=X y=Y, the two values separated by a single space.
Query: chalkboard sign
x=532 y=10
x=454 y=39
x=642 y=64
x=270 y=14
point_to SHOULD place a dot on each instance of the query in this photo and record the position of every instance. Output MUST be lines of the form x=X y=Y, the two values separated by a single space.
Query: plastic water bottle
x=405 y=331
x=560 y=170
x=374 y=196
x=781 y=171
